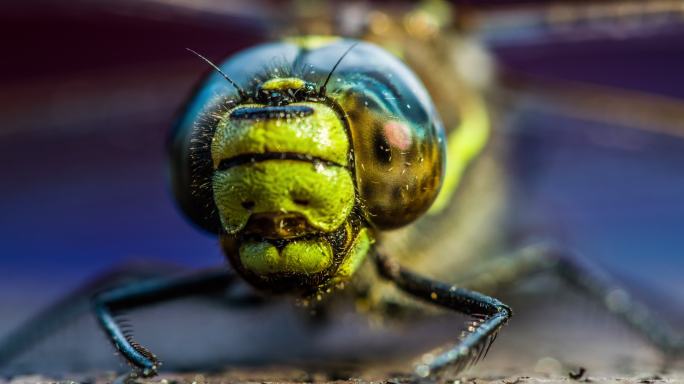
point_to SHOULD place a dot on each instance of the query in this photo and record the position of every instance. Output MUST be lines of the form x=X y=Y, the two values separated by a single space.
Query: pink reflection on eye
x=398 y=134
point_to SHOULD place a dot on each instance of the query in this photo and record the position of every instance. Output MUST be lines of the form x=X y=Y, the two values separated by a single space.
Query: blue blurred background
x=89 y=93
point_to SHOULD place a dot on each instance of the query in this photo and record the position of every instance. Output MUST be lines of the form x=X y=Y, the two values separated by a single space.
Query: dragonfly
x=459 y=75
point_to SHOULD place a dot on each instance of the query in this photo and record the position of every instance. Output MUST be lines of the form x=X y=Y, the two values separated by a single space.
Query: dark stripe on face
x=255 y=157
x=279 y=112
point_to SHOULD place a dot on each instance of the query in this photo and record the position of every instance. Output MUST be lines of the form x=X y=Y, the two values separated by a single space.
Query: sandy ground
x=544 y=343
x=287 y=375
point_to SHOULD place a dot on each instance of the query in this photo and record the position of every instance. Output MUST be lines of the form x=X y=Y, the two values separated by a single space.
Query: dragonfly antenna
x=322 y=91
x=240 y=91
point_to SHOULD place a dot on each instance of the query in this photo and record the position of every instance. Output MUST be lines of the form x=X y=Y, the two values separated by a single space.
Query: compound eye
x=396 y=133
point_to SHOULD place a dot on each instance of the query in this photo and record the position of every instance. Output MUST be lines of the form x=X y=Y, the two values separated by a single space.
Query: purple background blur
x=89 y=93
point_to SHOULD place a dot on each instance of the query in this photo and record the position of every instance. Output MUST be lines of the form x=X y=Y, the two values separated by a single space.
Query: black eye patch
x=276 y=112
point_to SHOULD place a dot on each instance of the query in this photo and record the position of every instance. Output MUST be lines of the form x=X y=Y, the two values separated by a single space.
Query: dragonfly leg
x=72 y=306
x=111 y=303
x=616 y=300
x=490 y=315
x=547 y=258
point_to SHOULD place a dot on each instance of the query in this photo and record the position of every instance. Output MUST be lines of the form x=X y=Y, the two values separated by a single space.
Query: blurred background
x=89 y=91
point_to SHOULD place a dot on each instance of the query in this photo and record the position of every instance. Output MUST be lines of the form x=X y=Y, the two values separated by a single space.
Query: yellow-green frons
x=323 y=194
x=298 y=256
x=311 y=42
x=357 y=254
x=463 y=144
x=282 y=83
x=320 y=134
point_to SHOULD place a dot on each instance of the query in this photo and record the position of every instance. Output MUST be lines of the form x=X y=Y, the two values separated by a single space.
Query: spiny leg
x=111 y=303
x=539 y=258
x=72 y=306
x=617 y=301
x=491 y=314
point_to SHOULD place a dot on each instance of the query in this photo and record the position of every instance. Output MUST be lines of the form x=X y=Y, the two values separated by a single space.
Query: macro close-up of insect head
x=342 y=191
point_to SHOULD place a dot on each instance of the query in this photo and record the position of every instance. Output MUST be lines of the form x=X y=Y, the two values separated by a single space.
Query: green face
x=285 y=193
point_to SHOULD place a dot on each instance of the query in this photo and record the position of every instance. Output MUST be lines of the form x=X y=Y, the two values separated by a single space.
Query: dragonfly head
x=284 y=188
x=300 y=156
